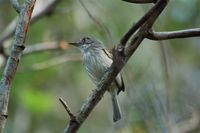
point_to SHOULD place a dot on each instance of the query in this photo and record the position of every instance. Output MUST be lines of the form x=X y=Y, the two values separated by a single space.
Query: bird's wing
x=119 y=79
x=108 y=53
x=119 y=83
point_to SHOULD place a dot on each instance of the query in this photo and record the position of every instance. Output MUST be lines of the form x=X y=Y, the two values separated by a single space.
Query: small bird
x=97 y=60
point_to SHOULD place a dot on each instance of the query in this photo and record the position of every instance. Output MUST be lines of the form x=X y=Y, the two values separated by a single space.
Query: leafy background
x=161 y=78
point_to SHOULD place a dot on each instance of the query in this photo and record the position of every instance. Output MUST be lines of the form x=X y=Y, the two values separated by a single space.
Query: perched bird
x=97 y=60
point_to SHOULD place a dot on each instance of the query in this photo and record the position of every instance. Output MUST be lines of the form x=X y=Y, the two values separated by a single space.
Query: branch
x=173 y=34
x=119 y=62
x=149 y=19
x=16 y=5
x=13 y=60
x=155 y=10
x=91 y=101
x=64 y=103
x=10 y=29
x=141 y=1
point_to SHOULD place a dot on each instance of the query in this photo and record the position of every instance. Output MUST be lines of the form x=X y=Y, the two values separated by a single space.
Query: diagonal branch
x=157 y=9
x=13 y=60
x=151 y=15
x=149 y=19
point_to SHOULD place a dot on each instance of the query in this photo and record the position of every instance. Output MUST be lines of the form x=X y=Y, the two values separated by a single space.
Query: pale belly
x=96 y=67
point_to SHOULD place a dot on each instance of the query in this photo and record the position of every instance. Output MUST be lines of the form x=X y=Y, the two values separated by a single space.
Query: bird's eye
x=86 y=40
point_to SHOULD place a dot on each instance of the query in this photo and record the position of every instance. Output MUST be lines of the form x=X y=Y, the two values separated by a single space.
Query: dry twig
x=64 y=103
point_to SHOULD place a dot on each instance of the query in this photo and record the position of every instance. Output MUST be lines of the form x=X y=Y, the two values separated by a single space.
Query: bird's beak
x=74 y=44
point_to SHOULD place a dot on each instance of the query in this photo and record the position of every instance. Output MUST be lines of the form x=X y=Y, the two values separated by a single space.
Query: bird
x=97 y=60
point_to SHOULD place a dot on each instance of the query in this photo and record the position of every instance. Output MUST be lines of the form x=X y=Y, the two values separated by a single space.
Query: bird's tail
x=116 y=108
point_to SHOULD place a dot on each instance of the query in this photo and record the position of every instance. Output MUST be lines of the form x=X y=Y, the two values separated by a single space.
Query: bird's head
x=86 y=43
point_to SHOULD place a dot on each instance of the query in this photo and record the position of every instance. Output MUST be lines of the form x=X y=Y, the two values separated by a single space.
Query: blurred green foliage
x=36 y=101
x=157 y=95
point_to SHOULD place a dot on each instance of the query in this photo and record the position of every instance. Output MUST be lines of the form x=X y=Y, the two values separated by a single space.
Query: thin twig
x=64 y=103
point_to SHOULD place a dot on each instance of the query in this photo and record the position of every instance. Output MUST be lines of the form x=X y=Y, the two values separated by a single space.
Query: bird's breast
x=96 y=64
